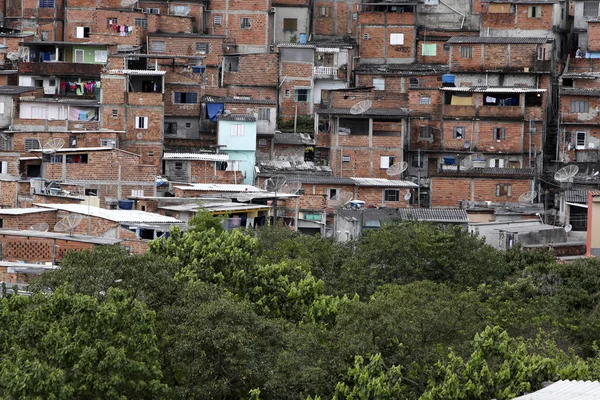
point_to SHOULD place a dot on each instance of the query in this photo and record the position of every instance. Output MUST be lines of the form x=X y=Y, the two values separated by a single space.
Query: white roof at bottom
x=220 y=187
x=196 y=156
x=120 y=216
x=566 y=390
x=383 y=182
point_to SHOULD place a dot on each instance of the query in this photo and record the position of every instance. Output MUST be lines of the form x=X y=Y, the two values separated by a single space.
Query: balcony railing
x=325 y=71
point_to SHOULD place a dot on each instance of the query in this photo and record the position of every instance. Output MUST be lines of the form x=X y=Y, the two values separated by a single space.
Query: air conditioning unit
x=273 y=9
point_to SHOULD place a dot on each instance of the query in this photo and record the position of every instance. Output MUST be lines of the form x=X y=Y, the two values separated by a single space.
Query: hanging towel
x=490 y=99
x=79 y=89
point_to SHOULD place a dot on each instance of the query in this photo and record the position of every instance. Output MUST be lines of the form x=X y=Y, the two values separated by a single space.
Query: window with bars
x=580 y=139
x=302 y=95
x=391 y=195
x=46 y=3
x=379 y=83
x=466 y=51
x=158 y=46
x=459 y=132
x=503 y=189
x=580 y=106
x=202 y=48
x=245 y=23
x=32 y=144
x=141 y=122
x=414 y=82
x=108 y=143
x=499 y=133
x=425 y=100
x=264 y=114
x=426 y=132
x=141 y=22
x=100 y=56
x=186 y=98
x=590 y=8
x=218 y=20
x=170 y=128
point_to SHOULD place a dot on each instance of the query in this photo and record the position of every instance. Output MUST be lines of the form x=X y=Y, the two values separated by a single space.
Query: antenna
x=527 y=197
x=407 y=196
x=328 y=231
x=566 y=174
x=52 y=145
x=340 y=200
x=275 y=183
x=41 y=227
x=397 y=169
x=568 y=228
x=68 y=223
x=291 y=187
x=467 y=162
x=245 y=196
x=361 y=107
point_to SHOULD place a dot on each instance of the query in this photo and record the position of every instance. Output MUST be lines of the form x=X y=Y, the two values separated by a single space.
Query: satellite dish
x=245 y=196
x=407 y=196
x=568 y=228
x=467 y=162
x=340 y=200
x=275 y=183
x=291 y=187
x=41 y=227
x=361 y=107
x=397 y=169
x=566 y=174
x=527 y=197
x=52 y=145
x=68 y=223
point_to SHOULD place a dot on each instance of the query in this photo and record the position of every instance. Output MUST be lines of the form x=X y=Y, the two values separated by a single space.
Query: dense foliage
x=410 y=311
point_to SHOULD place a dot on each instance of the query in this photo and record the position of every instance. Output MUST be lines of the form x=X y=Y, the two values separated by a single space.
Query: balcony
x=60 y=69
x=325 y=72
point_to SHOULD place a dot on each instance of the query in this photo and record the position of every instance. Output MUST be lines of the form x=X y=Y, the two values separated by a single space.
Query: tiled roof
x=402 y=69
x=499 y=40
x=322 y=180
x=508 y=172
x=238 y=100
x=220 y=187
x=371 y=112
x=237 y=117
x=294 y=138
x=579 y=91
x=576 y=196
x=271 y=167
x=493 y=89
x=562 y=390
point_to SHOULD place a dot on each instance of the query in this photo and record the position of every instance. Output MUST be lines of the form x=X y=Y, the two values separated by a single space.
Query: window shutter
x=177 y=97
x=4 y=170
x=385 y=162
x=1 y=108
x=145 y=123
x=396 y=39
x=79 y=32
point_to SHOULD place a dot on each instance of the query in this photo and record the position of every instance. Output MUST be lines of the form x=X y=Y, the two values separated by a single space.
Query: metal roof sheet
x=237 y=117
x=61 y=100
x=579 y=91
x=216 y=207
x=576 y=196
x=16 y=89
x=371 y=112
x=563 y=390
x=136 y=72
x=237 y=100
x=493 y=89
x=379 y=182
x=120 y=216
x=196 y=156
x=58 y=235
x=509 y=172
x=22 y=211
x=220 y=187
x=265 y=167
x=498 y=40
x=455 y=215
x=294 y=138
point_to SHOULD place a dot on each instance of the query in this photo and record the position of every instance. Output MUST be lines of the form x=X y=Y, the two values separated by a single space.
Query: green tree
x=67 y=346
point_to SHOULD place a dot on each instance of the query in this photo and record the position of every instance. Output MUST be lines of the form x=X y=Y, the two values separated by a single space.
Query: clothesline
x=79 y=88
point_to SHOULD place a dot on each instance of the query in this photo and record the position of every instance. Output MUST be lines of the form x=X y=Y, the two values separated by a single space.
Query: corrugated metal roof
x=292 y=166
x=22 y=211
x=455 y=215
x=322 y=180
x=579 y=91
x=294 y=138
x=234 y=100
x=493 y=89
x=62 y=100
x=220 y=187
x=216 y=207
x=371 y=112
x=576 y=196
x=120 y=216
x=523 y=1
x=566 y=390
x=498 y=40
x=136 y=72
x=518 y=172
x=379 y=182
x=296 y=45
x=196 y=156
x=237 y=117
x=16 y=89
x=402 y=69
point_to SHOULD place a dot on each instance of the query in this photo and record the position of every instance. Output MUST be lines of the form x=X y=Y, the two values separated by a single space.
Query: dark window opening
x=91 y=192
x=500 y=100
x=170 y=128
x=391 y=195
x=77 y=159
x=533 y=100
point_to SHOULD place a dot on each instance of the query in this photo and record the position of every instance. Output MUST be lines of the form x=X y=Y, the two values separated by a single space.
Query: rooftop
x=237 y=117
x=576 y=196
x=217 y=208
x=379 y=182
x=237 y=100
x=136 y=72
x=59 y=43
x=119 y=216
x=498 y=40
x=371 y=112
x=493 y=89
x=504 y=172
x=16 y=89
x=196 y=156
x=571 y=91
x=402 y=69
x=62 y=100
x=22 y=211
x=277 y=166
x=29 y=233
x=294 y=138
x=220 y=187
x=455 y=215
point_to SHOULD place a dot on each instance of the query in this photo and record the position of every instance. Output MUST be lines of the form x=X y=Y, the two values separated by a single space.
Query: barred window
x=264 y=114
x=466 y=51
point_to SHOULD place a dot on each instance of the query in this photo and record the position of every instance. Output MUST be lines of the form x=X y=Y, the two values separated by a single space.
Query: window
x=115 y=113
x=100 y=56
x=287 y=93
x=202 y=48
x=137 y=193
x=466 y=52
x=45 y=35
x=325 y=12
x=302 y=95
x=386 y=161
x=429 y=49
x=1 y=108
x=290 y=24
x=396 y=39
x=496 y=163
x=580 y=140
x=414 y=82
x=499 y=133
x=108 y=143
x=333 y=194
x=170 y=128
x=91 y=192
x=217 y=20
x=590 y=8
x=425 y=132
x=158 y=47
x=77 y=159
x=542 y=53
x=152 y=10
x=188 y=124
x=82 y=32
x=459 y=132
x=46 y=3
x=38 y=112
x=379 y=83
x=262 y=142
x=535 y=12
x=391 y=195
x=141 y=22
x=110 y=22
x=503 y=189
x=345 y=159
x=79 y=56
x=141 y=122
x=425 y=100
x=264 y=114
x=181 y=10
x=238 y=130
x=178 y=165
x=56 y=159
x=245 y=23
x=186 y=98
x=366 y=36
x=580 y=106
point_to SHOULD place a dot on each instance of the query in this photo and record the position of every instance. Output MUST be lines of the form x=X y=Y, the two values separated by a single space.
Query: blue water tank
x=449 y=161
x=448 y=78
x=303 y=38
x=126 y=204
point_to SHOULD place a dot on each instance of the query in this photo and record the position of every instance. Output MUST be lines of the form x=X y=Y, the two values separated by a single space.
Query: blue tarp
x=214 y=109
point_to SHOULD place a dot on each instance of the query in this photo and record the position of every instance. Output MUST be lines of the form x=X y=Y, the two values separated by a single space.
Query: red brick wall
x=254 y=70
x=18 y=222
x=448 y=191
x=378 y=44
x=593 y=36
